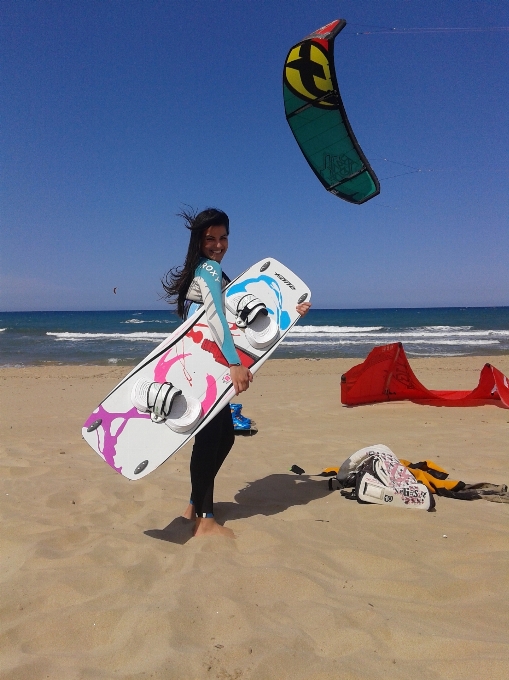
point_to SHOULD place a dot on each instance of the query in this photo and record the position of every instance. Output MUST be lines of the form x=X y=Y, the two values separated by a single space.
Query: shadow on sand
x=268 y=496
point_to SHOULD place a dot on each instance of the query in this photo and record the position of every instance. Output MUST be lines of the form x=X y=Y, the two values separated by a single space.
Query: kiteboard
x=260 y=307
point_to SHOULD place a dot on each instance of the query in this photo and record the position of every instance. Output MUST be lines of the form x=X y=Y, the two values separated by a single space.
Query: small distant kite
x=316 y=115
x=115 y=291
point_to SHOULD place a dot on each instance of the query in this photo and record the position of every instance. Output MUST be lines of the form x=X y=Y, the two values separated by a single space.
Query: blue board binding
x=241 y=424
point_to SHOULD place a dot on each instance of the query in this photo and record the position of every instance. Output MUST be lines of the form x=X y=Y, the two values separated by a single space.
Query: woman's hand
x=241 y=377
x=303 y=308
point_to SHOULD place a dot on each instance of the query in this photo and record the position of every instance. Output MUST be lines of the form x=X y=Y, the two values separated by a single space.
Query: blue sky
x=117 y=113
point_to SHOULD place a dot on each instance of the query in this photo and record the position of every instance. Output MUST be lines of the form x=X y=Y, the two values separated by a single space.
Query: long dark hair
x=177 y=281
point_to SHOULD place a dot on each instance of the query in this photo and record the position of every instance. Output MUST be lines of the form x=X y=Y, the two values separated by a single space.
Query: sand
x=100 y=578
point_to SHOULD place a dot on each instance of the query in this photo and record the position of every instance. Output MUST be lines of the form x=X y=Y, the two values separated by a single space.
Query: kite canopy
x=315 y=112
x=385 y=375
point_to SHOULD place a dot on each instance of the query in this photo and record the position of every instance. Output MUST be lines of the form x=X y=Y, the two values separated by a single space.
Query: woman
x=201 y=281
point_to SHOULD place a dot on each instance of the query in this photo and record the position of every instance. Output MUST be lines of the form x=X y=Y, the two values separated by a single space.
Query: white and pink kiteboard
x=128 y=439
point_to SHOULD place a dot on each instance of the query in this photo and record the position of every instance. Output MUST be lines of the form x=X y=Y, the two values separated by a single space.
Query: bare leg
x=189 y=512
x=207 y=526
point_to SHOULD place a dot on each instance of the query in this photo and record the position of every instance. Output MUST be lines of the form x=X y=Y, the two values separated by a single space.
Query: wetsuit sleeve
x=208 y=275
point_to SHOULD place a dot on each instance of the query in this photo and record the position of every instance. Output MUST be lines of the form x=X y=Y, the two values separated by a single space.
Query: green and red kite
x=316 y=115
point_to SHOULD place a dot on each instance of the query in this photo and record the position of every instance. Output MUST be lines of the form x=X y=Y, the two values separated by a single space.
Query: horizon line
x=314 y=309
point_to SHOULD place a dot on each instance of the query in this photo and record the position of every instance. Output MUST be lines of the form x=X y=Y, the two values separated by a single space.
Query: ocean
x=125 y=337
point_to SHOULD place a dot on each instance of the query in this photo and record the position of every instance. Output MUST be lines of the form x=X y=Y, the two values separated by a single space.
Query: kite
x=386 y=375
x=316 y=115
x=115 y=291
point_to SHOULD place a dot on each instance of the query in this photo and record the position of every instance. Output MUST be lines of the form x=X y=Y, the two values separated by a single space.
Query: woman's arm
x=209 y=278
x=303 y=308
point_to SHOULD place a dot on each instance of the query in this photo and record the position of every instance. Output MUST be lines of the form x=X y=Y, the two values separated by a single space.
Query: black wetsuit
x=211 y=446
x=213 y=443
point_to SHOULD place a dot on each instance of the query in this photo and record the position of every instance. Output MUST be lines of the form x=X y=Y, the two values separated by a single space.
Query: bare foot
x=207 y=526
x=189 y=512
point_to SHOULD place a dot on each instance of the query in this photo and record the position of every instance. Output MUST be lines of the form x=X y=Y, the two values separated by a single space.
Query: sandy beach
x=100 y=577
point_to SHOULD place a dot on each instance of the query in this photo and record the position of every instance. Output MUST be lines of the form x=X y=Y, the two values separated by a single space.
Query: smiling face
x=214 y=243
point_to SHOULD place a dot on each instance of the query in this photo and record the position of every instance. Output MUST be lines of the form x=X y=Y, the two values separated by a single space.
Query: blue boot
x=240 y=422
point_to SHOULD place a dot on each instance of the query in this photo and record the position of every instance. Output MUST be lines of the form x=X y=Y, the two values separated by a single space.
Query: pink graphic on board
x=164 y=364
x=210 y=394
x=107 y=441
x=108 y=449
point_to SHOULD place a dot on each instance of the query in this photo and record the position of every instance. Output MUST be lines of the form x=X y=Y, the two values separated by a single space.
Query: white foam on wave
x=3 y=329
x=444 y=334
x=147 y=321
x=373 y=333
x=333 y=330
x=447 y=328
x=423 y=341
x=77 y=337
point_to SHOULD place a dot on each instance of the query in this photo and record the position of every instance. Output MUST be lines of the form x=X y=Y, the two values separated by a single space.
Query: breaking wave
x=148 y=321
x=131 y=337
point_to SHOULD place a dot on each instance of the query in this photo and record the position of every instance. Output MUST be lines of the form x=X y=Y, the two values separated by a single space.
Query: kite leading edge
x=316 y=115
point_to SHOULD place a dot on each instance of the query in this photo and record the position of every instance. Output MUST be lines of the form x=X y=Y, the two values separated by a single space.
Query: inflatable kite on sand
x=385 y=375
